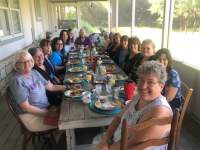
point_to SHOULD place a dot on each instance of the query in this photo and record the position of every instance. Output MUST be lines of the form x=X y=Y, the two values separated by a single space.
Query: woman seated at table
x=172 y=89
x=54 y=98
x=57 y=58
x=115 y=45
x=111 y=43
x=106 y=41
x=82 y=40
x=147 y=51
x=29 y=90
x=65 y=38
x=121 y=52
x=149 y=104
x=134 y=45
x=71 y=39
x=45 y=45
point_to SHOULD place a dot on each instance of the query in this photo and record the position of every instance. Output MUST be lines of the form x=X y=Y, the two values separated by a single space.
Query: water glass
x=108 y=88
x=98 y=88
x=115 y=92
x=102 y=70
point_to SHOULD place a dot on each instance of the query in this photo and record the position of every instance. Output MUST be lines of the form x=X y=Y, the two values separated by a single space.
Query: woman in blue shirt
x=172 y=90
x=57 y=57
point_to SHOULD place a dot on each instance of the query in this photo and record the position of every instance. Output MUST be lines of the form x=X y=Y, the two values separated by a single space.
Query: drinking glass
x=115 y=93
x=98 y=88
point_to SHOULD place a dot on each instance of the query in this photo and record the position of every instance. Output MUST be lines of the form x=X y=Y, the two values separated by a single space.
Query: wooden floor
x=11 y=138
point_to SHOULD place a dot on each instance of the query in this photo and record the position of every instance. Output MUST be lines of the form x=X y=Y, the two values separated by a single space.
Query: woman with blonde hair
x=147 y=51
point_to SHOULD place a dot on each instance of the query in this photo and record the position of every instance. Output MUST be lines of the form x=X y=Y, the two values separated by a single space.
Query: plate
x=74 y=80
x=112 y=69
x=76 y=93
x=104 y=103
x=76 y=69
x=107 y=61
x=121 y=77
x=75 y=61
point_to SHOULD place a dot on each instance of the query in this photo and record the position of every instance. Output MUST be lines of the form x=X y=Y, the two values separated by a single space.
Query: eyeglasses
x=149 y=83
x=59 y=43
x=25 y=62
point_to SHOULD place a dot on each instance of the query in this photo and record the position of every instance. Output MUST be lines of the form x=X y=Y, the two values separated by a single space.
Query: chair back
x=12 y=106
x=186 y=98
x=174 y=129
x=171 y=140
x=124 y=135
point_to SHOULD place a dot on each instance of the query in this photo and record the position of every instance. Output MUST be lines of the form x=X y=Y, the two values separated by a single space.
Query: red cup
x=129 y=88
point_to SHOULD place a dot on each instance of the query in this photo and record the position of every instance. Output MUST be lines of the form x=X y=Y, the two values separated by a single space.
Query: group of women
x=130 y=53
x=37 y=84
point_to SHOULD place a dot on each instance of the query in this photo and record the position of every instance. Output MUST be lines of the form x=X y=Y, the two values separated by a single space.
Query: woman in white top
x=149 y=104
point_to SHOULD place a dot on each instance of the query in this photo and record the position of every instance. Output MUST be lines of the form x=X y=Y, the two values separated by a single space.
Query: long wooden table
x=77 y=115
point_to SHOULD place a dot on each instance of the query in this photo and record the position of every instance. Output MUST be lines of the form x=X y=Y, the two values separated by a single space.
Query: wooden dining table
x=75 y=114
x=78 y=115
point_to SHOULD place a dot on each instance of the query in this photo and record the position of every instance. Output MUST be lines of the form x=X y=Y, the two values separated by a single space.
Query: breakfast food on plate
x=74 y=61
x=74 y=79
x=76 y=69
x=76 y=92
x=105 y=104
x=110 y=68
x=120 y=77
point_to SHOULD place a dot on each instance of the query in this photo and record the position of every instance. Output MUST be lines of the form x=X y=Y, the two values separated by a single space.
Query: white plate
x=104 y=103
x=74 y=80
x=76 y=69
x=75 y=93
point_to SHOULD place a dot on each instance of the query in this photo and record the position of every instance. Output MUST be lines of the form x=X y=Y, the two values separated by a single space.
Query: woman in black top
x=121 y=52
x=115 y=45
x=147 y=51
x=54 y=98
x=134 y=45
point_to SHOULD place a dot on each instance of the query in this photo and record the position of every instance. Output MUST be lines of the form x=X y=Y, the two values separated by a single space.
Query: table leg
x=70 y=136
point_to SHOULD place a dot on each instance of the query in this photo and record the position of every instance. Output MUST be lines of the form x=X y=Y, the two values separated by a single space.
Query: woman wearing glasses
x=57 y=58
x=29 y=90
x=147 y=105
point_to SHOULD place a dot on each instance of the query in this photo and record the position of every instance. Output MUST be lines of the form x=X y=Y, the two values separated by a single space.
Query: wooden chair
x=174 y=138
x=186 y=98
x=27 y=134
x=171 y=140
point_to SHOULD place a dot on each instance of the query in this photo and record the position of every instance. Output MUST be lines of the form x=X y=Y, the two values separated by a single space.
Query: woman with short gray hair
x=147 y=105
x=153 y=67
